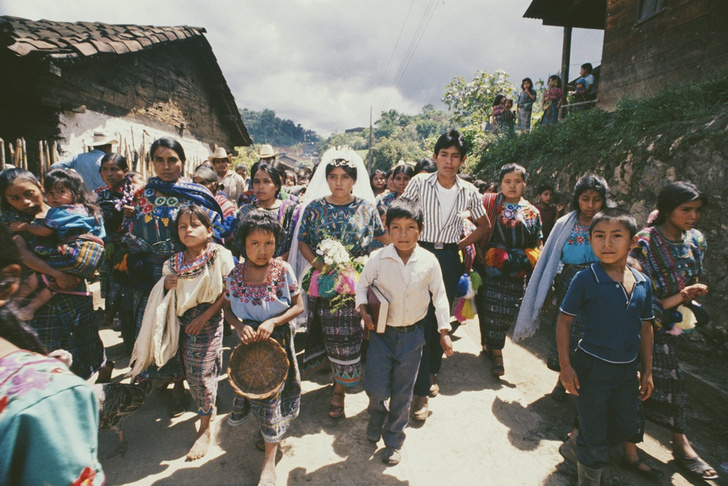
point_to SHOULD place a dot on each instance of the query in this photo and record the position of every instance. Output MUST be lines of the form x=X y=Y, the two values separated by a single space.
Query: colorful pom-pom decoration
x=533 y=255
x=327 y=285
x=475 y=281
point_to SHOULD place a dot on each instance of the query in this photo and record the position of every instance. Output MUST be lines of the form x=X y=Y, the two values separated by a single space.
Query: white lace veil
x=318 y=188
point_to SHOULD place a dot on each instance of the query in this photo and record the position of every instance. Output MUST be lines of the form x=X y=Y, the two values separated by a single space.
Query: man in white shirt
x=446 y=200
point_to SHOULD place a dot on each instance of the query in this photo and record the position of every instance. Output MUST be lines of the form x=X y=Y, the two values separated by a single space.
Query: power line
x=414 y=44
x=396 y=44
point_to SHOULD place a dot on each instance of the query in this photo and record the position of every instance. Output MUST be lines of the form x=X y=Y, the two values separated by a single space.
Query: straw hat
x=266 y=151
x=102 y=138
x=219 y=153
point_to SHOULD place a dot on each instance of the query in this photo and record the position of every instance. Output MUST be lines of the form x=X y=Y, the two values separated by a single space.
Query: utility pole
x=370 y=156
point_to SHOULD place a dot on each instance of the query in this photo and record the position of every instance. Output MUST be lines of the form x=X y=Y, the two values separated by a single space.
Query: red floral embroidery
x=257 y=293
x=86 y=478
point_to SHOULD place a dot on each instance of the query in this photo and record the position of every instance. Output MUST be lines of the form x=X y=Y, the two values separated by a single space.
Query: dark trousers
x=392 y=361
x=607 y=405
x=432 y=353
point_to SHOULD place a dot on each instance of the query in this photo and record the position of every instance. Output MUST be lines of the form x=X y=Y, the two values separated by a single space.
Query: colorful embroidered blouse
x=49 y=423
x=355 y=225
x=670 y=265
x=260 y=301
x=107 y=200
x=578 y=250
x=517 y=226
x=72 y=220
x=384 y=201
x=153 y=221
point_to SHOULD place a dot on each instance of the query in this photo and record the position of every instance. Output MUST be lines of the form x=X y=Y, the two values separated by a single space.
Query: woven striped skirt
x=334 y=336
x=666 y=406
x=498 y=301
x=202 y=358
x=561 y=285
x=276 y=413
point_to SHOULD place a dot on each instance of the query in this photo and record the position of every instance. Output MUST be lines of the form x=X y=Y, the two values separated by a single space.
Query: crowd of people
x=505 y=122
x=182 y=262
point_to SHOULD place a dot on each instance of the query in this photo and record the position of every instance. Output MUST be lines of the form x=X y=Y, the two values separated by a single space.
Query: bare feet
x=268 y=474
x=204 y=436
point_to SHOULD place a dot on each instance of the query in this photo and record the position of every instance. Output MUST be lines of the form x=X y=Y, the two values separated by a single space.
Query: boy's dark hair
x=348 y=166
x=274 y=174
x=405 y=208
x=425 y=164
x=615 y=214
x=590 y=182
x=71 y=180
x=453 y=138
x=508 y=168
x=405 y=169
x=8 y=178
x=196 y=211
x=544 y=187
x=118 y=159
x=587 y=67
x=676 y=194
x=170 y=143
x=256 y=220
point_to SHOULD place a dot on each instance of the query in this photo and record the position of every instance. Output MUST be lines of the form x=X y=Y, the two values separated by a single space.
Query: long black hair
x=590 y=182
x=170 y=143
x=676 y=194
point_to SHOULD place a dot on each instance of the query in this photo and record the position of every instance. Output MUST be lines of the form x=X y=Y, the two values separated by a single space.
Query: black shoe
x=374 y=432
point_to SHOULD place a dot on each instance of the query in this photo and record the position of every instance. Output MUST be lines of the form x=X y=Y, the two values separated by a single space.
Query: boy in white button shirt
x=406 y=275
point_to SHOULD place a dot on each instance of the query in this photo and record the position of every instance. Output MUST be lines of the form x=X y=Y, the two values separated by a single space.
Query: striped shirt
x=423 y=188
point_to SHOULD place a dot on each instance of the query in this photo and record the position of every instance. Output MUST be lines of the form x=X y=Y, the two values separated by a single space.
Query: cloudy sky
x=324 y=63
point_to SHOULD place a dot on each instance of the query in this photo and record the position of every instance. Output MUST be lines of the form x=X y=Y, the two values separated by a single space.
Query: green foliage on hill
x=397 y=136
x=265 y=127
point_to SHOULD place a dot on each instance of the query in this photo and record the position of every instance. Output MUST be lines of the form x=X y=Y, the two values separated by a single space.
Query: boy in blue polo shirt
x=615 y=302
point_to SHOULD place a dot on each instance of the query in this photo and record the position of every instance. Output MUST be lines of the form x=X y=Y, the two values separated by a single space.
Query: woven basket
x=259 y=369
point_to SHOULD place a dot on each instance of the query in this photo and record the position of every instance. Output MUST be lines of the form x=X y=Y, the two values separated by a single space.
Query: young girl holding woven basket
x=187 y=303
x=262 y=296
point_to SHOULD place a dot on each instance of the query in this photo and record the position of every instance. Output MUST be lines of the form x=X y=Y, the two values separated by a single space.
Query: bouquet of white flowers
x=340 y=272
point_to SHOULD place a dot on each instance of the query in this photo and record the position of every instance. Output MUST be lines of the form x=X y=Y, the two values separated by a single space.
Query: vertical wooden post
x=565 y=58
x=2 y=154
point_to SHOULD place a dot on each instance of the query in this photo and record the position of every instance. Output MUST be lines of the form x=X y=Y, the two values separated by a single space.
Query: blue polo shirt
x=612 y=319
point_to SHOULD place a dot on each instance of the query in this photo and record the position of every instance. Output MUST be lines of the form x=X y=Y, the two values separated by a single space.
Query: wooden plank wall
x=684 y=43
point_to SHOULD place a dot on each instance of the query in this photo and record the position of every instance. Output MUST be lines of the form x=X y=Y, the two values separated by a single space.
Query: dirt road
x=481 y=431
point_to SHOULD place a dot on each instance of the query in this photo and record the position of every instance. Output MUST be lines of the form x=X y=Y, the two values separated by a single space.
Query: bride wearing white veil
x=338 y=205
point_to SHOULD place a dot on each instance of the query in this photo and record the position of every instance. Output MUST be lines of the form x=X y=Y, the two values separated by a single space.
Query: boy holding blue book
x=409 y=277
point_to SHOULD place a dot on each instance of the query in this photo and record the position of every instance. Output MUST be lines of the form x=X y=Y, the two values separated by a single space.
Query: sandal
x=649 y=473
x=336 y=411
x=497 y=369
x=696 y=466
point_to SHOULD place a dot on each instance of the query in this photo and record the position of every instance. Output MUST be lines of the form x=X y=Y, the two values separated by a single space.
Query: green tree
x=471 y=101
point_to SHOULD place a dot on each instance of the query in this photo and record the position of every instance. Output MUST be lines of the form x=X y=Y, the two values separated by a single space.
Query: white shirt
x=447 y=199
x=407 y=287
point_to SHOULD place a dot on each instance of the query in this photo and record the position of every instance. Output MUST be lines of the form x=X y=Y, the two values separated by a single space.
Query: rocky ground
x=481 y=430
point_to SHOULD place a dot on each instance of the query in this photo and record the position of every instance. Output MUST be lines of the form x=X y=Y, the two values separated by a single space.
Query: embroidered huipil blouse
x=260 y=301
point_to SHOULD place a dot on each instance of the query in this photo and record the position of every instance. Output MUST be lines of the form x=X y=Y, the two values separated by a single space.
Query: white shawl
x=157 y=342
x=542 y=277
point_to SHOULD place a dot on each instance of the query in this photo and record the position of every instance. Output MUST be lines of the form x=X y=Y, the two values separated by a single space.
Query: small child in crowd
x=262 y=296
x=406 y=275
x=580 y=94
x=508 y=118
x=76 y=228
x=550 y=212
x=615 y=303
x=525 y=105
x=552 y=99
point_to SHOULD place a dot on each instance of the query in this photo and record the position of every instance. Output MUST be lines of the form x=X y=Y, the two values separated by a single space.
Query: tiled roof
x=63 y=40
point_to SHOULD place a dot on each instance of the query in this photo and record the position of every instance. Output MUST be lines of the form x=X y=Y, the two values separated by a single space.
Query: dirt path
x=480 y=431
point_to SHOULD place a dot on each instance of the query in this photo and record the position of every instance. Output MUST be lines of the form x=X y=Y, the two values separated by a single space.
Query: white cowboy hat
x=219 y=153
x=266 y=151
x=102 y=138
